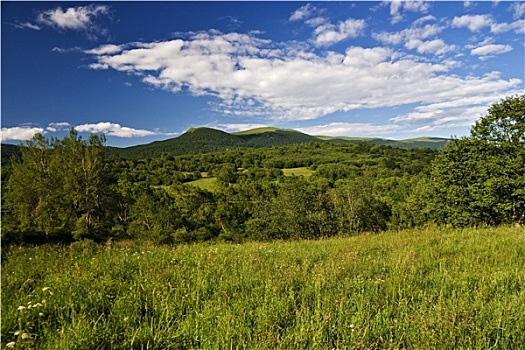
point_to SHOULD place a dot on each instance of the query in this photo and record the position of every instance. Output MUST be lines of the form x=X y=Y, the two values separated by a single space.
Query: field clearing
x=425 y=289
x=206 y=183
x=303 y=171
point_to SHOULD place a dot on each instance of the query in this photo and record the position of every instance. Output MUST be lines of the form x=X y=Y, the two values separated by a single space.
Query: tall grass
x=425 y=289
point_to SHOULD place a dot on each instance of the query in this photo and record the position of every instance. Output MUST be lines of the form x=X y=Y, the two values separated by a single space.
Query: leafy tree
x=62 y=187
x=480 y=179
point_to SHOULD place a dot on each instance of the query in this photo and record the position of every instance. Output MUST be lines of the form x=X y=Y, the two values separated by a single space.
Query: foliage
x=61 y=188
x=480 y=179
x=412 y=289
x=205 y=140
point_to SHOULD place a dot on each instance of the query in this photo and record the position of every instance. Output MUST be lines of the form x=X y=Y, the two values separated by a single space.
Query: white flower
x=21 y=307
x=25 y=336
x=10 y=344
x=45 y=288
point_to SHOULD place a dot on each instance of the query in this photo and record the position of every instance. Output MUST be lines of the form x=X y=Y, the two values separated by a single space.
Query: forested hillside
x=203 y=140
x=70 y=189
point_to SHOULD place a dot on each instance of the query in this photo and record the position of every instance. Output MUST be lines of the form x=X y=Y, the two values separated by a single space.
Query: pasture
x=418 y=289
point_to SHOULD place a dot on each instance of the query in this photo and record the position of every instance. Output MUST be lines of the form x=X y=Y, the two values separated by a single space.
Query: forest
x=64 y=190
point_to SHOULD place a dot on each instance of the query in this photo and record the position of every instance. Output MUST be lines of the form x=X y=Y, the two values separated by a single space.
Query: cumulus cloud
x=81 y=19
x=459 y=112
x=473 y=22
x=328 y=34
x=491 y=49
x=54 y=127
x=252 y=77
x=398 y=7
x=20 y=133
x=414 y=38
x=302 y=13
x=342 y=128
x=518 y=9
x=239 y=126
x=105 y=50
x=113 y=129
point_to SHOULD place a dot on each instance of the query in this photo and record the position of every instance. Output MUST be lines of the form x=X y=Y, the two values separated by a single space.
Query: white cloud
x=519 y=9
x=414 y=37
x=460 y=112
x=27 y=25
x=239 y=127
x=105 y=50
x=424 y=19
x=251 y=77
x=518 y=27
x=436 y=46
x=491 y=49
x=112 y=129
x=329 y=34
x=75 y=18
x=397 y=7
x=19 y=133
x=325 y=32
x=54 y=127
x=342 y=129
x=473 y=22
x=80 y=18
x=303 y=13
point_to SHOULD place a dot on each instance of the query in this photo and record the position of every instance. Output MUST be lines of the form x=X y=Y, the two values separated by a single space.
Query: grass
x=298 y=172
x=206 y=183
x=427 y=289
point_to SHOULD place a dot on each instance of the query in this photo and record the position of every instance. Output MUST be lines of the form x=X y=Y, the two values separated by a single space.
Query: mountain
x=420 y=142
x=195 y=140
x=202 y=140
x=8 y=151
x=264 y=137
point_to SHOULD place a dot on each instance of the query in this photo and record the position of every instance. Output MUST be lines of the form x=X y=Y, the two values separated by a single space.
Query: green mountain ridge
x=204 y=139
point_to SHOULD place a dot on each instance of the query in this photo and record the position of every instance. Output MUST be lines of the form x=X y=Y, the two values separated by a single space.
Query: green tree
x=480 y=179
x=62 y=187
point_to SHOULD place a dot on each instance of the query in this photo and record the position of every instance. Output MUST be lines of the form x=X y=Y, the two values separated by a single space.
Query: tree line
x=70 y=189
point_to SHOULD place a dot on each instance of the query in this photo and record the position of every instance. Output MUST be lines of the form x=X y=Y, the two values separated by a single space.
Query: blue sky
x=140 y=72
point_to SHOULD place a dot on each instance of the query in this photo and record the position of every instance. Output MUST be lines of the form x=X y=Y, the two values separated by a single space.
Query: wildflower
x=17 y=333
x=37 y=305
x=10 y=344
x=21 y=307
x=25 y=336
x=40 y=314
x=45 y=289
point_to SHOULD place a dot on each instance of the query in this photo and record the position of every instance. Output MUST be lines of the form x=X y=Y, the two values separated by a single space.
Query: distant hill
x=203 y=140
x=195 y=140
x=264 y=137
x=8 y=151
x=421 y=142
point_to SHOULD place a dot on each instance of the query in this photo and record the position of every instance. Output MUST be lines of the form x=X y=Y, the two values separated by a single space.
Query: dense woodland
x=71 y=189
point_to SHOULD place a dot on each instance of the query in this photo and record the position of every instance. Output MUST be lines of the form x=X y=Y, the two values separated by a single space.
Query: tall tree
x=480 y=179
x=62 y=187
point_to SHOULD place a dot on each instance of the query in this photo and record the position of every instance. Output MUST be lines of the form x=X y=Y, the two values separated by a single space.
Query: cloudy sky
x=140 y=72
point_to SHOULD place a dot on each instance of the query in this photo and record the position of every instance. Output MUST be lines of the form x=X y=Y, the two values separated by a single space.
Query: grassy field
x=429 y=289
x=206 y=183
x=298 y=172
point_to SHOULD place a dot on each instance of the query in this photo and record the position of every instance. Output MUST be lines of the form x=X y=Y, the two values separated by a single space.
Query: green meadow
x=418 y=289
